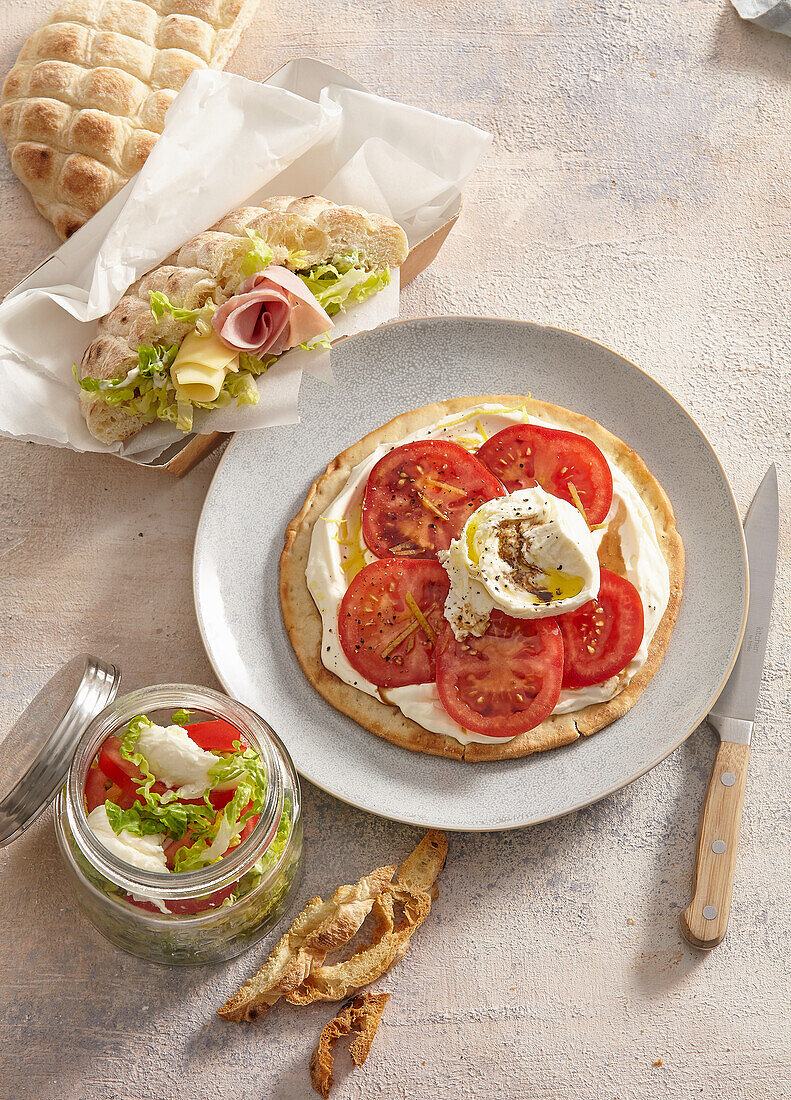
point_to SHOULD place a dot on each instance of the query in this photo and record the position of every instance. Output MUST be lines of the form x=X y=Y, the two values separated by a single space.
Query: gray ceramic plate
x=262 y=481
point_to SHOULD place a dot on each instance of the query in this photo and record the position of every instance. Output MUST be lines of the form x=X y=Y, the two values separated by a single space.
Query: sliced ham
x=272 y=312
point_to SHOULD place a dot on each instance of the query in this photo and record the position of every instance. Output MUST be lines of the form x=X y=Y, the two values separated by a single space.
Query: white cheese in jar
x=146 y=852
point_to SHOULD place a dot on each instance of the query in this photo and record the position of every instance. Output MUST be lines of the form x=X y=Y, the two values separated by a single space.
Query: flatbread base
x=304 y=625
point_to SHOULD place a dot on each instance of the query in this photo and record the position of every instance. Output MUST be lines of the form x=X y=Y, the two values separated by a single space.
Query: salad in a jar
x=178 y=798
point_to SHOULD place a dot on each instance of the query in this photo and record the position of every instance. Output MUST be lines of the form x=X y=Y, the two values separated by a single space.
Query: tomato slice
x=98 y=788
x=216 y=735
x=419 y=496
x=123 y=772
x=379 y=622
x=505 y=682
x=526 y=454
x=186 y=906
x=601 y=637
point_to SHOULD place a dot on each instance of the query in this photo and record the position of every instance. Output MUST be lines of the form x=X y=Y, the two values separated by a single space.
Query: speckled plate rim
x=604 y=793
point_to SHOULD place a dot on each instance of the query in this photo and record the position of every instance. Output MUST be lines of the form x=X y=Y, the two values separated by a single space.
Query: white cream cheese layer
x=338 y=552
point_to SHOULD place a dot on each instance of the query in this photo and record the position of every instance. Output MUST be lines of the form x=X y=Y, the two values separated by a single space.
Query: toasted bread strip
x=414 y=888
x=321 y=927
x=362 y=1016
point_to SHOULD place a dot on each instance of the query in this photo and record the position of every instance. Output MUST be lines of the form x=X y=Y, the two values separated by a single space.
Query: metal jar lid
x=36 y=752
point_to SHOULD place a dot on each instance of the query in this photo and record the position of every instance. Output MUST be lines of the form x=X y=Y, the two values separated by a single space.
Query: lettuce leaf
x=157 y=815
x=259 y=256
x=225 y=833
x=161 y=304
x=344 y=281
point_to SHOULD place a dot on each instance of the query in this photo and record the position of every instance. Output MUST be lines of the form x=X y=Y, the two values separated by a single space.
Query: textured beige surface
x=641 y=167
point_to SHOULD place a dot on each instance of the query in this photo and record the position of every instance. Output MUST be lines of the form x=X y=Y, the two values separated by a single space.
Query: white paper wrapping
x=775 y=15
x=227 y=142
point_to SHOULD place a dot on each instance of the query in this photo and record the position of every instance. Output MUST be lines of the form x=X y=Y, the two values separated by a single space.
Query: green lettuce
x=248 y=882
x=161 y=304
x=225 y=833
x=258 y=257
x=158 y=815
x=346 y=280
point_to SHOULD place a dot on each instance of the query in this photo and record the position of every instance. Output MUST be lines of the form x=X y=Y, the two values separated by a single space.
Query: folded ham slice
x=272 y=312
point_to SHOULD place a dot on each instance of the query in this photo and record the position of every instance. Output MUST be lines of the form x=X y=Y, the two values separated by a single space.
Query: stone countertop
x=636 y=192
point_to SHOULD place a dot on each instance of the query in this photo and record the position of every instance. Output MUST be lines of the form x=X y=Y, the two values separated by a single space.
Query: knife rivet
x=709 y=912
x=718 y=847
x=727 y=779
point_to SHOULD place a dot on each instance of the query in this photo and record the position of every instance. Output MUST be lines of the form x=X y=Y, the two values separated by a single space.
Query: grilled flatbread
x=304 y=625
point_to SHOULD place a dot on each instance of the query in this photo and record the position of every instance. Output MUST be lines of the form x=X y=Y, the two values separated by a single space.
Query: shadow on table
x=663 y=958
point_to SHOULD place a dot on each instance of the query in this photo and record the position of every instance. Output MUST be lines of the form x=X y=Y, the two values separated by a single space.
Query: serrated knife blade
x=733 y=715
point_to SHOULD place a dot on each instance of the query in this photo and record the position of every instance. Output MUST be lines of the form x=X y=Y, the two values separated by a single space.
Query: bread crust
x=86 y=99
x=304 y=625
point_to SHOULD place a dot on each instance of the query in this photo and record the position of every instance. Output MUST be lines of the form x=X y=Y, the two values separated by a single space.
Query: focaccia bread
x=304 y=624
x=300 y=232
x=85 y=102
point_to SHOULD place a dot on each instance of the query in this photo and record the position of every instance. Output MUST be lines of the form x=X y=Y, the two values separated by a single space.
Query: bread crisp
x=303 y=620
x=208 y=267
x=359 y=1018
x=85 y=102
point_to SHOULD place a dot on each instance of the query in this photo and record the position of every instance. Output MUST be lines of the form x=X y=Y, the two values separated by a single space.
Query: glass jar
x=124 y=902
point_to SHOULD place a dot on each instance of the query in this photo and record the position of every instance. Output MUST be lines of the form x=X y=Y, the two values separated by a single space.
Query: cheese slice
x=201 y=366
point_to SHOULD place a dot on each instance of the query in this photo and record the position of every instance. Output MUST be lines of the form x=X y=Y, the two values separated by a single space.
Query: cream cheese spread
x=338 y=552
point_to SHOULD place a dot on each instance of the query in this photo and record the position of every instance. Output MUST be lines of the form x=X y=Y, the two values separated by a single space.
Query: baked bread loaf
x=300 y=232
x=85 y=102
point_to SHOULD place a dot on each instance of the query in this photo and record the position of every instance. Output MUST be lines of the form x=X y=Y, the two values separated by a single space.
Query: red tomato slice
x=601 y=637
x=419 y=497
x=97 y=786
x=526 y=454
x=123 y=772
x=215 y=736
x=187 y=905
x=507 y=681
x=381 y=634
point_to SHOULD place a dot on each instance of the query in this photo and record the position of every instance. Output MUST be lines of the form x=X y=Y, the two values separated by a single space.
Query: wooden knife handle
x=705 y=920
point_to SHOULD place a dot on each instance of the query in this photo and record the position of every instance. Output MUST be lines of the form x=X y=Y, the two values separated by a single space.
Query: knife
x=705 y=920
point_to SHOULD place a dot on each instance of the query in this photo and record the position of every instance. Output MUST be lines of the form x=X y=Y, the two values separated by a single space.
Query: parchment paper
x=227 y=142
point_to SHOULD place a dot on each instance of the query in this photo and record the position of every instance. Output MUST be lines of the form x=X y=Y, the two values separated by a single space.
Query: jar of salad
x=180 y=824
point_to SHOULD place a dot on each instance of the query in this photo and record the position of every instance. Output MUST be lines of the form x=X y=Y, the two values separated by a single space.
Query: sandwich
x=197 y=331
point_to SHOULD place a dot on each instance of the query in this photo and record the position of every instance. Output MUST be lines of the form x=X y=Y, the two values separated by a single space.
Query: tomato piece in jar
x=215 y=735
x=122 y=771
x=601 y=637
x=185 y=906
x=505 y=682
x=419 y=496
x=389 y=620
x=525 y=455
x=99 y=789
